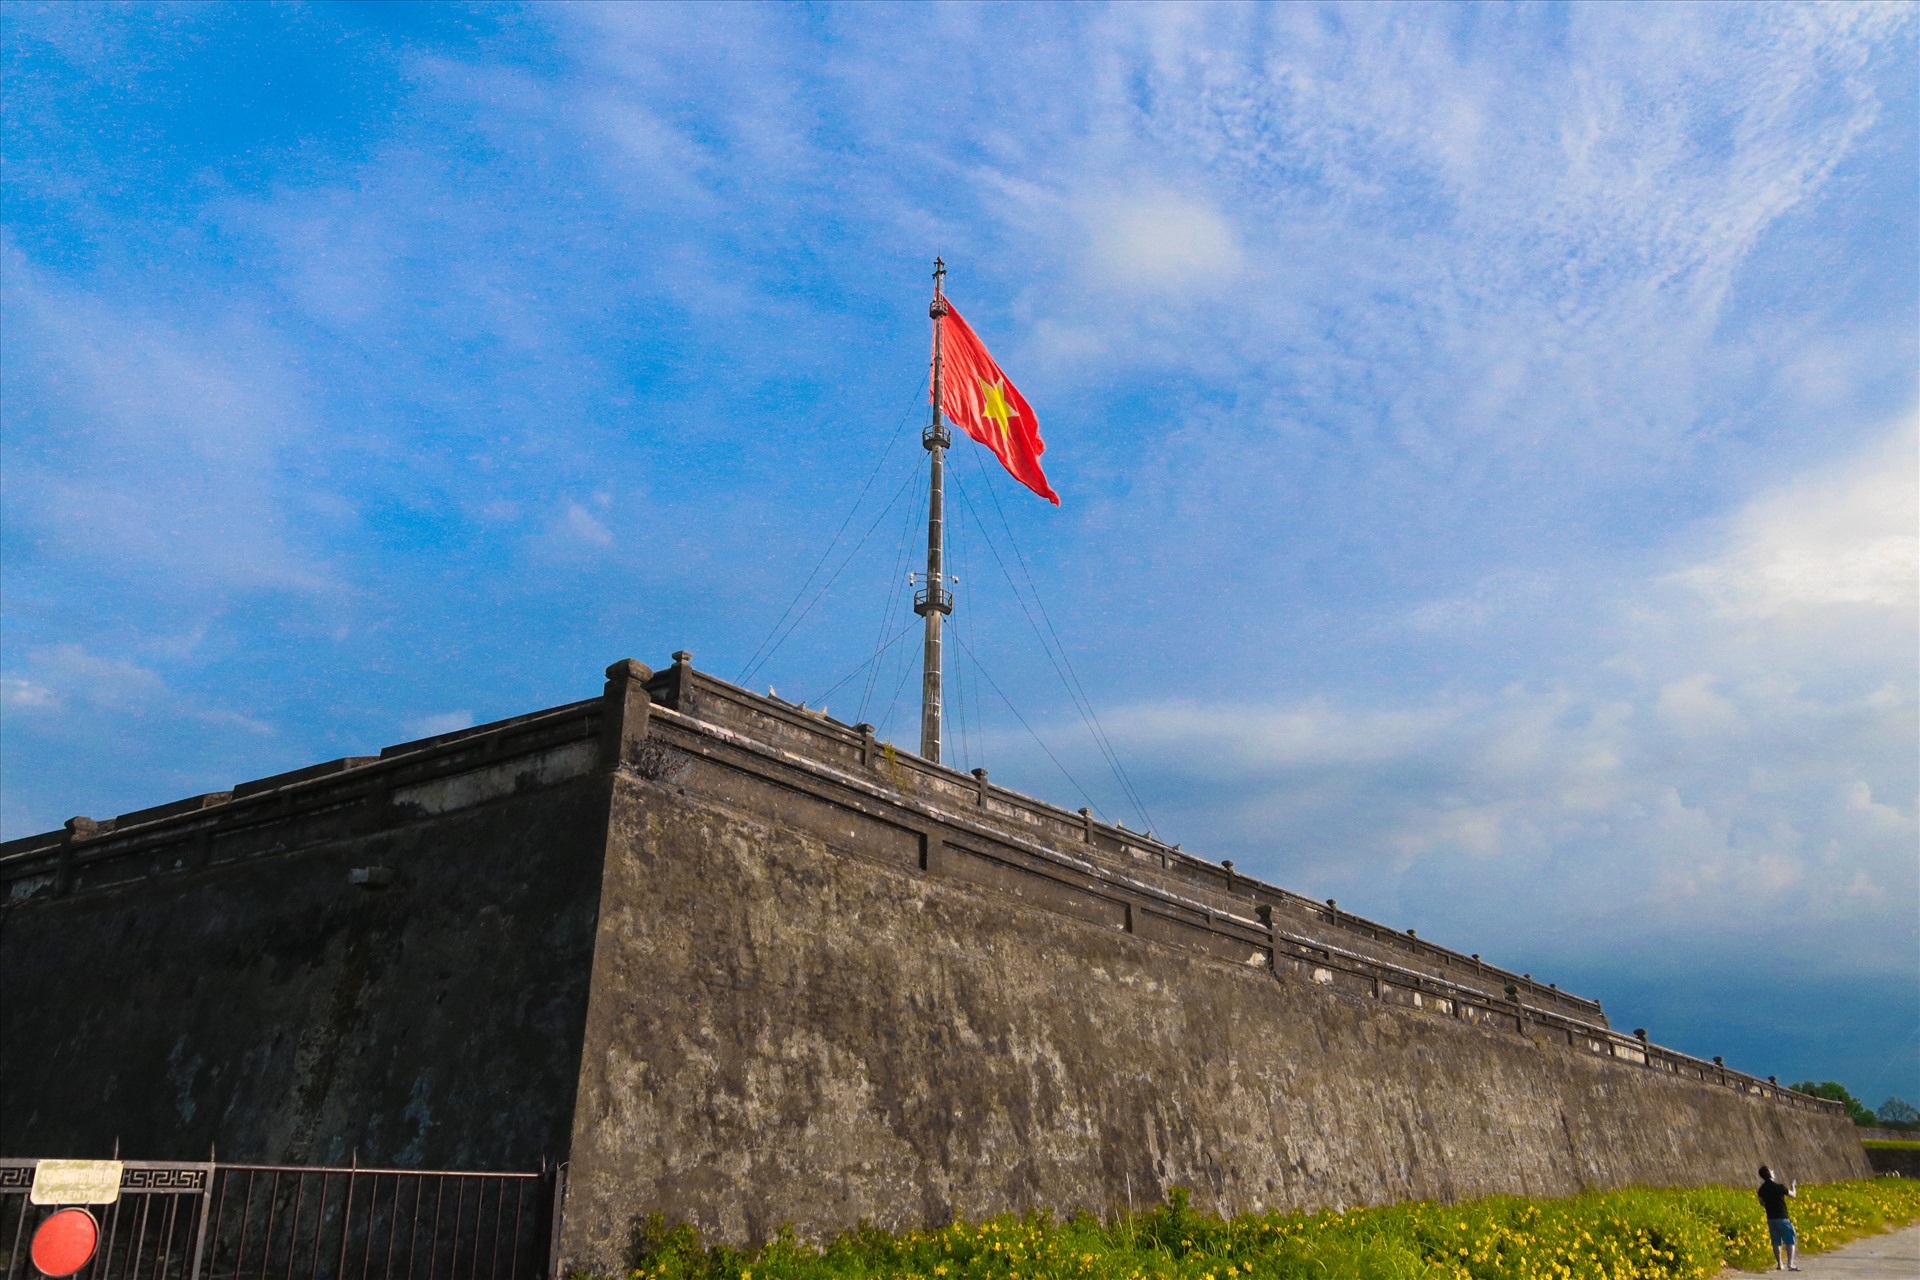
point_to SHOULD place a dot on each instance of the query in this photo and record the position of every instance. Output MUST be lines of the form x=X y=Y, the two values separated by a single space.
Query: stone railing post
x=680 y=686
x=78 y=829
x=624 y=710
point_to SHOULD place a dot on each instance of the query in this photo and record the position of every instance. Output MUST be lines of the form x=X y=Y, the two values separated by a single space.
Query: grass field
x=1603 y=1236
x=1892 y=1144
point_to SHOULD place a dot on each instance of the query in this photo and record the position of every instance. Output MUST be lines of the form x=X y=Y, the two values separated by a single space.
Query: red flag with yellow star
x=979 y=399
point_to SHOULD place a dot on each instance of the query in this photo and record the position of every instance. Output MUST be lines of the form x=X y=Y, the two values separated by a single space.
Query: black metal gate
x=188 y=1221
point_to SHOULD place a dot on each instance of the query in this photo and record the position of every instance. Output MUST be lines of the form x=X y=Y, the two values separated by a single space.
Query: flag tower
x=933 y=601
x=972 y=392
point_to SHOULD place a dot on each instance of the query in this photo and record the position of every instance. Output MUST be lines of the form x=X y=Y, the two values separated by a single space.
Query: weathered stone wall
x=213 y=975
x=825 y=992
x=744 y=965
x=1899 y=1162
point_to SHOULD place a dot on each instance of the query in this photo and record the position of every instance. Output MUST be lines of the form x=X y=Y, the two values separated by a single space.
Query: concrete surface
x=1893 y=1256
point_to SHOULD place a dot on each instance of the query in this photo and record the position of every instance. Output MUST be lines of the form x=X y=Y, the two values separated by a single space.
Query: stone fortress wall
x=744 y=965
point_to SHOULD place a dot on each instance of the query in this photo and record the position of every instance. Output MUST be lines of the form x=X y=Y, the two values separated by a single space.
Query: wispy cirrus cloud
x=171 y=454
x=66 y=680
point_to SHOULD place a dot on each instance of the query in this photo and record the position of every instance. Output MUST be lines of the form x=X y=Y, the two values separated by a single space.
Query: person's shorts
x=1780 y=1230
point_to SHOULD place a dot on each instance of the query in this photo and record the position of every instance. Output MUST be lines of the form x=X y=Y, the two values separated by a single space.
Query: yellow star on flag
x=997 y=408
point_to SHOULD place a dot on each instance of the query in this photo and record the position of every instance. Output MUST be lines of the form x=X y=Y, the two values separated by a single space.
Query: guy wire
x=896 y=584
x=906 y=664
x=821 y=701
x=1054 y=649
x=893 y=438
x=988 y=675
x=1076 y=688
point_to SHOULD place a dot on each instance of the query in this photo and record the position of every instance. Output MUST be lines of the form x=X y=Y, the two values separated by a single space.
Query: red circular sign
x=65 y=1242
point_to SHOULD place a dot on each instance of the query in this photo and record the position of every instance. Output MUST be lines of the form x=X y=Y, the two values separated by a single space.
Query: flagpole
x=934 y=602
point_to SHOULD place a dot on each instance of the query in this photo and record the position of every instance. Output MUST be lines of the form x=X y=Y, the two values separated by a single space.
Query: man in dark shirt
x=1779 y=1226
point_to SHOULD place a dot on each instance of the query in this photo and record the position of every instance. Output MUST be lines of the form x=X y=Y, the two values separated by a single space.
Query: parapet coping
x=262 y=795
x=817 y=722
x=1618 y=1047
x=1098 y=871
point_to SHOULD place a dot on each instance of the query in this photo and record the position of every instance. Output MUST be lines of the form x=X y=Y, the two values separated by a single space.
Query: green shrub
x=1834 y=1091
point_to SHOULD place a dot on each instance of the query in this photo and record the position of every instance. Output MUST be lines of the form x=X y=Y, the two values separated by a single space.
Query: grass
x=1892 y=1144
x=1635 y=1234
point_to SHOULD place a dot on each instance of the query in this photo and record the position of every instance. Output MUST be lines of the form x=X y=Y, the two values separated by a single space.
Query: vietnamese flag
x=979 y=399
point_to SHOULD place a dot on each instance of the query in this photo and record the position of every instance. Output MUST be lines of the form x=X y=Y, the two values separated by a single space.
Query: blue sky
x=1487 y=435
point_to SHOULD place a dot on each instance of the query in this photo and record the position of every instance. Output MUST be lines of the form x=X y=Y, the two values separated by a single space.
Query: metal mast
x=933 y=602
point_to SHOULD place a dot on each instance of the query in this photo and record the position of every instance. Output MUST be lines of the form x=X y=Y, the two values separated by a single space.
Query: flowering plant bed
x=1618 y=1235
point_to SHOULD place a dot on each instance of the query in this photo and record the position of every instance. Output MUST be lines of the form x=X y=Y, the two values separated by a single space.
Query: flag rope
x=988 y=675
x=896 y=586
x=893 y=438
x=1072 y=679
x=826 y=586
x=821 y=701
x=1055 y=650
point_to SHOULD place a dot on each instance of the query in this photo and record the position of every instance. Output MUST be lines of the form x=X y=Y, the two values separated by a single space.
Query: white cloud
x=1161 y=242
x=158 y=448
x=581 y=524
x=1312 y=732
x=435 y=725
x=27 y=695
x=69 y=679
x=1695 y=708
x=1747 y=749
x=67 y=672
x=1489 y=257
x=1850 y=536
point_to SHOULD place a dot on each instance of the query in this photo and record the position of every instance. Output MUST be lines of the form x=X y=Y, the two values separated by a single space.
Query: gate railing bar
x=293 y=1233
x=346 y=1223
x=433 y=1254
x=19 y=1233
x=559 y=1190
x=366 y=1245
x=206 y=1207
x=213 y=1239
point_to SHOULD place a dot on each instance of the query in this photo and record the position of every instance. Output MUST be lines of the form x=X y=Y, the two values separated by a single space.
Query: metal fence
x=186 y=1221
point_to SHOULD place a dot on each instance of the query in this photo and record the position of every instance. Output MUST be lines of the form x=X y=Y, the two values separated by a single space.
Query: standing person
x=1779 y=1225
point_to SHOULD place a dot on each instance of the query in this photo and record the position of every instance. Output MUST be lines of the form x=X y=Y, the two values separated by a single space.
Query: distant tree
x=1856 y=1109
x=1898 y=1113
